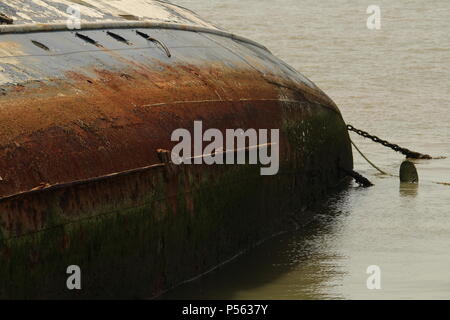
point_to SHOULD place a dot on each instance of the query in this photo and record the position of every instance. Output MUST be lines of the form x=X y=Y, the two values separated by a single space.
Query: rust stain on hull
x=88 y=127
x=81 y=179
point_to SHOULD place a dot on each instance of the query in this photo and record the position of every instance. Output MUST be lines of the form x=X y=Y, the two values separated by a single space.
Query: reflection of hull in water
x=80 y=128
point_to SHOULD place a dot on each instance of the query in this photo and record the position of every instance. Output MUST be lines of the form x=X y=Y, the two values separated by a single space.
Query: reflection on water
x=408 y=189
x=392 y=83
x=270 y=270
x=406 y=234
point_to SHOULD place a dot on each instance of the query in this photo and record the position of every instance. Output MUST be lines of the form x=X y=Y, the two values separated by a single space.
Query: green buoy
x=408 y=172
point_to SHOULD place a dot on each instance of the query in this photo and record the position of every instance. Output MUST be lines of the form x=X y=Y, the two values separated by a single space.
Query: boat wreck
x=86 y=117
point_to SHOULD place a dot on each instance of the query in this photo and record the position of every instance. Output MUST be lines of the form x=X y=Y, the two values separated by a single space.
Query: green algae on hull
x=136 y=235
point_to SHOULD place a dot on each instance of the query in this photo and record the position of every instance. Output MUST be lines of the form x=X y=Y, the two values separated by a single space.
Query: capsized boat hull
x=82 y=183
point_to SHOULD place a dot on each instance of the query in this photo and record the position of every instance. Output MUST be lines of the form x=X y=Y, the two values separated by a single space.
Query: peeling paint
x=55 y=11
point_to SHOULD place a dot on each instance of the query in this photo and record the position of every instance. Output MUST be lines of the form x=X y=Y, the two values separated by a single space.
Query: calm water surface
x=393 y=82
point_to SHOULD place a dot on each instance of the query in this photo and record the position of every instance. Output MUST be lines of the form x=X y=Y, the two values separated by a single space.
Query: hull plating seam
x=113 y=175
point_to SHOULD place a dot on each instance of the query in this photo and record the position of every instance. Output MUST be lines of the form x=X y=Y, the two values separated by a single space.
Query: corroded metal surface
x=81 y=119
x=75 y=115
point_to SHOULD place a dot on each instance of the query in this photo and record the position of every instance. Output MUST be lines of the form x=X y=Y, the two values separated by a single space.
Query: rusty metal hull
x=82 y=183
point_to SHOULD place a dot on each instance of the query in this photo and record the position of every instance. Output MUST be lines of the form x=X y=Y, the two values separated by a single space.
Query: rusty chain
x=359 y=179
x=408 y=153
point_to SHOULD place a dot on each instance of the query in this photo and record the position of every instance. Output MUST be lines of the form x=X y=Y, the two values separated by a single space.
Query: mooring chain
x=408 y=153
x=359 y=179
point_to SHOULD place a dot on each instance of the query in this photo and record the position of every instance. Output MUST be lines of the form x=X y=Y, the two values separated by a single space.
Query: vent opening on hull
x=87 y=39
x=118 y=37
x=147 y=37
x=40 y=45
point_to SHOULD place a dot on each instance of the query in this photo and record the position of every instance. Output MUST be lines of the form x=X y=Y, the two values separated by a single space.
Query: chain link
x=408 y=153
x=359 y=179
